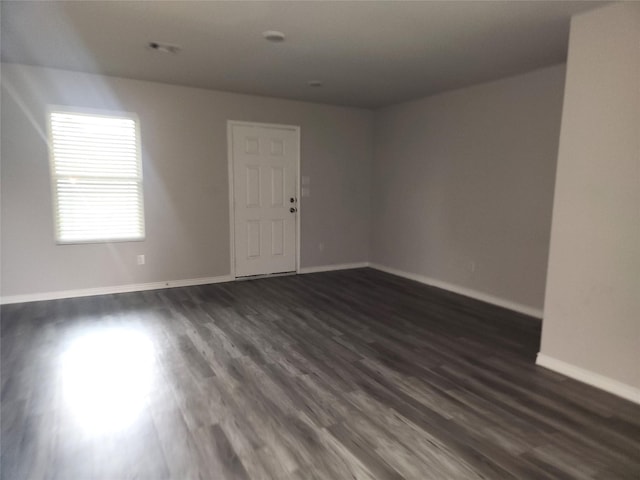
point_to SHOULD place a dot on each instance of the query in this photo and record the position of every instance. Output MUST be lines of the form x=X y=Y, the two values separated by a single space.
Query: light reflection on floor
x=107 y=375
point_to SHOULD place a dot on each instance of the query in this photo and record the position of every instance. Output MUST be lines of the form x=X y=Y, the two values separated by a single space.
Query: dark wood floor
x=341 y=375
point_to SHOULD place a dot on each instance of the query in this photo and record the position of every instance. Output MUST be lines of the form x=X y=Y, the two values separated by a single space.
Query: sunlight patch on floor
x=107 y=376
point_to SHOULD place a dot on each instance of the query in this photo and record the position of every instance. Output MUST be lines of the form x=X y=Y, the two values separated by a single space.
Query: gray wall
x=463 y=185
x=592 y=304
x=186 y=184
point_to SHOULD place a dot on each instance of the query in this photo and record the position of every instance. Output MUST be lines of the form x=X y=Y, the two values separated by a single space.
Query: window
x=96 y=177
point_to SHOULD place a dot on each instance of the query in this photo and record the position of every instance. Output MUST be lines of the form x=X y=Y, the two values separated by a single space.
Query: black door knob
x=293 y=210
x=292 y=200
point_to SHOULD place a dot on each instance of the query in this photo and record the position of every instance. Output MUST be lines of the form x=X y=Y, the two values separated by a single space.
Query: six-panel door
x=265 y=172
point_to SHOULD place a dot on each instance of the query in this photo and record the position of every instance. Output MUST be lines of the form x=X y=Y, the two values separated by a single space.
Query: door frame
x=232 y=210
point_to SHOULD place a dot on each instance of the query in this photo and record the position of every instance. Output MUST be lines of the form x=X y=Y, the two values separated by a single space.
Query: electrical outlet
x=472 y=266
x=306 y=191
x=321 y=247
x=140 y=259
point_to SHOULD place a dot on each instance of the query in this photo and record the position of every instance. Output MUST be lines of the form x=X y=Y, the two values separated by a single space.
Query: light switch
x=306 y=191
x=306 y=180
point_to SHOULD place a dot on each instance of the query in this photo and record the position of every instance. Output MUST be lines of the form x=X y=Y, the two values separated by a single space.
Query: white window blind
x=97 y=177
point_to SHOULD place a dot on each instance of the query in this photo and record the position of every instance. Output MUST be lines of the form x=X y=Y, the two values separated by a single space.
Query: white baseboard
x=133 y=287
x=467 y=292
x=590 y=378
x=138 y=287
x=329 y=268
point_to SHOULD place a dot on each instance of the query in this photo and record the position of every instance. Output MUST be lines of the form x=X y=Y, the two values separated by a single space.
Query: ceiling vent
x=164 y=47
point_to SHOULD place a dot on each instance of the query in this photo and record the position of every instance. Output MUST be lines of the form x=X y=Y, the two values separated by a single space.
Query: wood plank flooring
x=341 y=375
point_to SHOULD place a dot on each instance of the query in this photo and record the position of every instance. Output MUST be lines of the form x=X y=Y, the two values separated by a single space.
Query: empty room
x=320 y=240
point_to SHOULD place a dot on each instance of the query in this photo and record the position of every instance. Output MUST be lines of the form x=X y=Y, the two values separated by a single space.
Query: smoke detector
x=273 y=36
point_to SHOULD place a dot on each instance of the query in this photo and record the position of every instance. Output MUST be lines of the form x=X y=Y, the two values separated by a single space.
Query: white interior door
x=265 y=183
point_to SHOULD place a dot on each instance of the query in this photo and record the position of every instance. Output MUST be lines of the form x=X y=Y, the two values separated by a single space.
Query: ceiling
x=367 y=54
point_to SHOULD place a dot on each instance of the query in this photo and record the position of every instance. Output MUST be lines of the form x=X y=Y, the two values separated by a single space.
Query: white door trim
x=232 y=240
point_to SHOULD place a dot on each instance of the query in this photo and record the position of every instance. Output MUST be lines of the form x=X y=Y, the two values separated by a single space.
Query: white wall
x=463 y=187
x=592 y=305
x=186 y=183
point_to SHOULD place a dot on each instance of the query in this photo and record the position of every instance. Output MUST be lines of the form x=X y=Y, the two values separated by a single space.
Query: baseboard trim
x=139 y=287
x=132 y=287
x=590 y=378
x=467 y=292
x=330 y=268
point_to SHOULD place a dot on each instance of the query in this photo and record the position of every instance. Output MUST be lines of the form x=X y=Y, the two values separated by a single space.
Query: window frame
x=65 y=109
